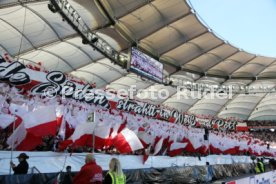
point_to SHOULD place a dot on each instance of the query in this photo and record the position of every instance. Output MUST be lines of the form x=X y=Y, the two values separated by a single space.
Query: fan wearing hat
x=23 y=166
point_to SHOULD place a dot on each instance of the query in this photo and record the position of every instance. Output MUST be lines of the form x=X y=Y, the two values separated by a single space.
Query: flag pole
x=12 y=147
x=5 y=99
x=209 y=151
x=93 y=137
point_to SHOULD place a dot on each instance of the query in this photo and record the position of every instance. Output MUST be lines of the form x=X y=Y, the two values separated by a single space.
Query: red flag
x=64 y=144
x=29 y=143
x=69 y=130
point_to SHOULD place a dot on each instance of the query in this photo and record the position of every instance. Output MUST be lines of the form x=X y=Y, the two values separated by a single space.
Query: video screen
x=146 y=65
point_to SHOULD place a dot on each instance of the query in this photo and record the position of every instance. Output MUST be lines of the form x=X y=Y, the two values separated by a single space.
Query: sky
x=246 y=24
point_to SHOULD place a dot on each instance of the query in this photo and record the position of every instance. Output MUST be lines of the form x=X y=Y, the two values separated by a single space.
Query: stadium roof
x=166 y=29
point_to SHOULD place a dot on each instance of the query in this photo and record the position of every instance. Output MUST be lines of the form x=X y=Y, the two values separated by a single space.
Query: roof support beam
x=257 y=105
x=178 y=45
x=175 y=102
x=103 y=9
x=108 y=66
x=162 y=26
x=259 y=64
x=46 y=44
x=127 y=37
x=42 y=18
x=91 y=73
x=115 y=79
x=97 y=62
x=23 y=59
x=20 y=2
x=162 y=101
x=21 y=33
x=205 y=52
x=244 y=64
x=134 y=9
x=49 y=52
x=273 y=62
x=146 y=82
x=193 y=105
x=120 y=84
x=165 y=61
x=228 y=102
x=222 y=59
x=84 y=52
x=86 y=65
x=113 y=19
x=5 y=49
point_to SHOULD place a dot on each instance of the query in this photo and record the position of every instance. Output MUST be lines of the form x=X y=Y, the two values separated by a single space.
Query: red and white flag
x=102 y=136
x=242 y=127
x=176 y=148
x=195 y=137
x=17 y=136
x=127 y=141
x=23 y=141
x=83 y=129
x=83 y=135
x=42 y=121
x=158 y=146
x=146 y=154
x=145 y=138
x=114 y=130
x=6 y=120
x=18 y=110
x=60 y=112
x=122 y=126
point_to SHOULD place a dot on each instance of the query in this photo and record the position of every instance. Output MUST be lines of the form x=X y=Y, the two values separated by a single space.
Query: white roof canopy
x=168 y=30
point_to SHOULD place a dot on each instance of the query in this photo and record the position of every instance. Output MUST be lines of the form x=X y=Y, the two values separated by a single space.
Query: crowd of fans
x=266 y=135
x=261 y=123
x=10 y=95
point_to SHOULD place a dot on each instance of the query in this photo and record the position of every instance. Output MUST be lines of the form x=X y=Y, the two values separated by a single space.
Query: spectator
x=23 y=166
x=115 y=173
x=90 y=173
x=259 y=167
x=272 y=163
x=65 y=178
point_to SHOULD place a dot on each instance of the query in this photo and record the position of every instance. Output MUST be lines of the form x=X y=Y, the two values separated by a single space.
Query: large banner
x=56 y=83
x=264 y=178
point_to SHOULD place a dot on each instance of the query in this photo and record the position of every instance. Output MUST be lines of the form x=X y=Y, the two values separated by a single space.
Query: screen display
x=146 y=65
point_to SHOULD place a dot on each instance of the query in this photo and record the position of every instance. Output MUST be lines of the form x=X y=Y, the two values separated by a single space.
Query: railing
x=34 y=170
